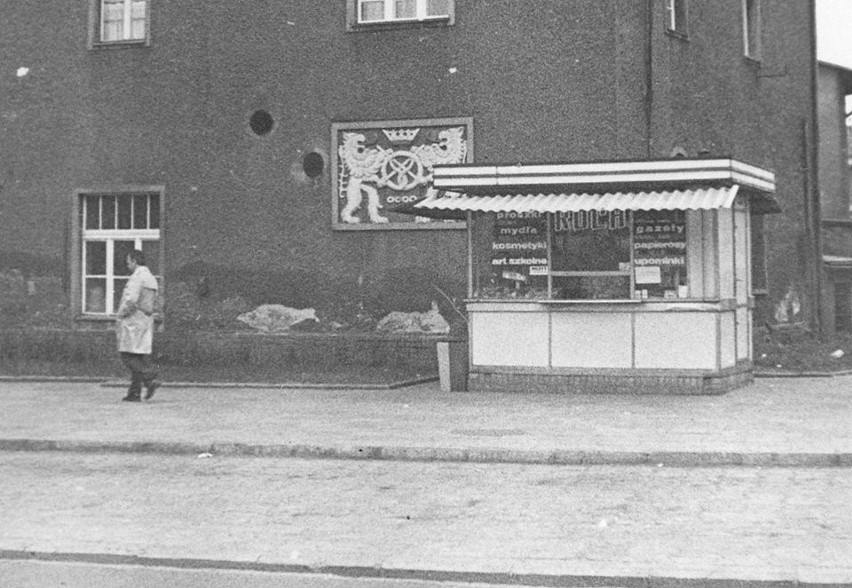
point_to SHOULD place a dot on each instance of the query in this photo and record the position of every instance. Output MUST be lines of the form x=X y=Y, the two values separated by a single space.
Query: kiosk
x=625 y=276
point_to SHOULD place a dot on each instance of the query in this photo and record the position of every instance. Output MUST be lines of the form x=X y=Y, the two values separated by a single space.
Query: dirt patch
x=798 y=350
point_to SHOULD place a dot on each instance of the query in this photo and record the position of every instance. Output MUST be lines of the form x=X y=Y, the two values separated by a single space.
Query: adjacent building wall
x=834 y=84
x=552 y=83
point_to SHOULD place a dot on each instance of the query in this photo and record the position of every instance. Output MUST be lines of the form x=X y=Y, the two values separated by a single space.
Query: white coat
x=135 y=316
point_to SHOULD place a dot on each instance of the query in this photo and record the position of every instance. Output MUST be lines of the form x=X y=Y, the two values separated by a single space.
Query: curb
x=36 y=379
x=375 y=572
x=281 y=385
x=109 y=383
x=770 y=374
x=431 y=454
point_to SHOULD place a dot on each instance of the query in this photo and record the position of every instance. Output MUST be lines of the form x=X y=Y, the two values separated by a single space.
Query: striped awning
x=602 y=176
x=438 y=202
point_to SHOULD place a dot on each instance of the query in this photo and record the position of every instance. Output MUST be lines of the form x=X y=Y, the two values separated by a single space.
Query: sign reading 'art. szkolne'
x=382 y=166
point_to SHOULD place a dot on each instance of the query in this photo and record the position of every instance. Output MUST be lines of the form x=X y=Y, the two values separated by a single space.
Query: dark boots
x=151 y=387
x=141 y=373
x=134 y=393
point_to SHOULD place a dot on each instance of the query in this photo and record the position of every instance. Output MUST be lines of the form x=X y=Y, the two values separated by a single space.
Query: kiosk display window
x=581 y=255
x=659 y=254
x=512 y=255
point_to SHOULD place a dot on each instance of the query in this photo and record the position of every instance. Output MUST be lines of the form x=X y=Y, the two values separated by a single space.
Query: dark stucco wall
x=552 y=81
x=709 y=98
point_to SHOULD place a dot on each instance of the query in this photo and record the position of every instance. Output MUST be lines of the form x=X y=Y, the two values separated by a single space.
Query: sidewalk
x=802 y=422
x=612 y=525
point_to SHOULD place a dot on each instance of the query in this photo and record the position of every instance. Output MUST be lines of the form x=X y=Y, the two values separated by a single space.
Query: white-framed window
x=751 y=28
x=122 y=21
x=112 y=225
x=394 y=11
x=676 y=16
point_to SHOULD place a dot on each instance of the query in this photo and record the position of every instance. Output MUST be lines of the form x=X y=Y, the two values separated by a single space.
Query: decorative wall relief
x=382 y=166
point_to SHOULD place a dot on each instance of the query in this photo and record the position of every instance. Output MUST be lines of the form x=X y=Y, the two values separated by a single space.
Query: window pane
x=108 y=216
x=118 y=290
x=405 y=8
x=752 y=27
x=676 y=15
x=659 y=253
x=140 y=212
x=510 y=255
x=591 y=287
x=124 y=211
x=437 y=7
x=95 y=295
x=95 y=258
x=154 y=211
x=119 y=257
x=372 y=10
x=151 y=249
x=591 y=241
x=113 y=20
x=680 y=15
x=92 y=204
x=137 y=19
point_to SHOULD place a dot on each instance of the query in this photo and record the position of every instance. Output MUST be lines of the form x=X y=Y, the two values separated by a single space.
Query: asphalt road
x=464 y=519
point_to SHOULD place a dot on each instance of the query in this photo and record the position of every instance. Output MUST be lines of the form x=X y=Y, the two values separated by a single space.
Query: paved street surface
x=745 y=523
x=464 y=486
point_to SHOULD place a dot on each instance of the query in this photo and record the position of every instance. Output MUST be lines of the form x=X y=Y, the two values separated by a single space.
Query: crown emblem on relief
x=401 y=135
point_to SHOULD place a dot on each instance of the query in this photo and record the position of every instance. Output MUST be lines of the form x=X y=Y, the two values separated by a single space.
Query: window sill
x=678 y=35
x=400 y=24
x=106 y=46
x=95 y=318
x=104 y=318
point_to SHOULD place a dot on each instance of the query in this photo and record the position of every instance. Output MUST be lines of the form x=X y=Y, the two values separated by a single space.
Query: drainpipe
x=649 y=80
x=812 y=199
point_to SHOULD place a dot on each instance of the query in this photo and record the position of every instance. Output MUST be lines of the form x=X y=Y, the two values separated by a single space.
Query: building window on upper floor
x=111 y=226
x=371 y=12
x=676 y=17
x=121 y=21
x=751 y=28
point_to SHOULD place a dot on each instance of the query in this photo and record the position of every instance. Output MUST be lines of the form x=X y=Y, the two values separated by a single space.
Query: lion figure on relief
x=450 y=148
x=360 y=164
